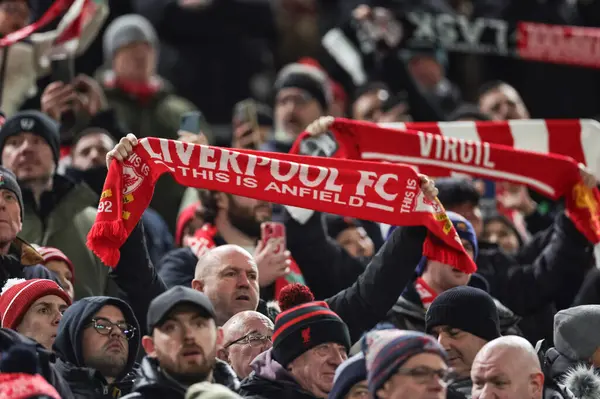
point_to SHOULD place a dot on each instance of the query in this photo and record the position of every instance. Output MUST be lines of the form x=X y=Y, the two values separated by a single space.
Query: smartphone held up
x=274 y=232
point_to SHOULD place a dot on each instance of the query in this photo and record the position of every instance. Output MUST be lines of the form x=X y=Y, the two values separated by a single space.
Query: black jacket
x=153 y=383
x=554 y=276
x=9 y=338
x=22 y=262
x=86 y=383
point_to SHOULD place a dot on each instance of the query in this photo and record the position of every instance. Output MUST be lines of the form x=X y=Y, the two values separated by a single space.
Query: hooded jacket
x=87 y=383
x=583 y=382
x=270 y=380
x=153 y=383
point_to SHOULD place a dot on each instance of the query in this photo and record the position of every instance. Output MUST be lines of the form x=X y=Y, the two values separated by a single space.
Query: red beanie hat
x=18 y=295
x=25 y=386
x=50 y=253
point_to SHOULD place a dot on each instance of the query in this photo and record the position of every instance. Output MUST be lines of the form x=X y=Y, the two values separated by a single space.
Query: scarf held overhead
x=438 y=155
x=364 y=190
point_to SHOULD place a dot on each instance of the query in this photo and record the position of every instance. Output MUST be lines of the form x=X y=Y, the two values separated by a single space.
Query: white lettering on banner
x=318 y=195
x=287 y=178
x=458 y=33
x=409 y=196
x=367 y=179
x=455 y=150
x=476 y=170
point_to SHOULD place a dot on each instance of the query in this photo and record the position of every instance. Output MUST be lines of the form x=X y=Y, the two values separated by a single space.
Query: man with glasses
x=96 y=345
x=405 y=365
x=181 y=347
x=302 y=95
x=245 y=336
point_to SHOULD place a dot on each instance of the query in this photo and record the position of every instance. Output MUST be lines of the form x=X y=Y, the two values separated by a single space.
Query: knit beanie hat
x=19 y=294
x=50 y=254
x=456 y=191
x=465 y=230
x=35 y=122
x=349 y=373
x=337 y=224
x=387 y=350
x=576 y=332
x=307 y=78
x=8 y=181
x=469 y=309
x=303 y=327
x=125 y=30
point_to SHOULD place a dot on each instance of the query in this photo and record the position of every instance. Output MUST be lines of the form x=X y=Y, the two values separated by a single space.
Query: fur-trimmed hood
x=583 y=382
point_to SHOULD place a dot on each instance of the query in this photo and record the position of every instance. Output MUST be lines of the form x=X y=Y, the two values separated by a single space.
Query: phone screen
x=62 y=69
x=245 y=112
x=190 y=122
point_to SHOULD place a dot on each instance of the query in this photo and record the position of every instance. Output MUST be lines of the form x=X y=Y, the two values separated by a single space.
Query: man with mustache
x=57 y=212
x=97 y=344
x=181 y=347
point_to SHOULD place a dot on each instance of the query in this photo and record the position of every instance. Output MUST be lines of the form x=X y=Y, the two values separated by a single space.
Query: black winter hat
x=8 y=181
x=36 y=122
x=303 y=327
x=466 y=308
x=456 y=191
x=336 y=224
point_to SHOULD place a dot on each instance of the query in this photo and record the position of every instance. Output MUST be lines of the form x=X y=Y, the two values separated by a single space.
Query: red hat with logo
x=19 y=294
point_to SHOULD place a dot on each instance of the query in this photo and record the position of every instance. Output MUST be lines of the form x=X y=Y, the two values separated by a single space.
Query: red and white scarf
x=364 y=190
x=438 y=155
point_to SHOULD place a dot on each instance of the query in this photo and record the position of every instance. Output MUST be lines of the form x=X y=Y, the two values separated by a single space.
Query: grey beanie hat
x=125 y=30
x=576 y=332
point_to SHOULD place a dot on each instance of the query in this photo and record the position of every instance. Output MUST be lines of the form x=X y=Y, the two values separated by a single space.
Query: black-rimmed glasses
x=104 y=327
x=253 y=339
x=423 y=375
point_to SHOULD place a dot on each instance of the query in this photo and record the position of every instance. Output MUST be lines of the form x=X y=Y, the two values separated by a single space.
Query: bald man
x=228 y=275
x=507 y=368
x=245 y=336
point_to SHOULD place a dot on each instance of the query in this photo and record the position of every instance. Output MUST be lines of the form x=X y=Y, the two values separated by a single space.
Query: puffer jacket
x=153 y=383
